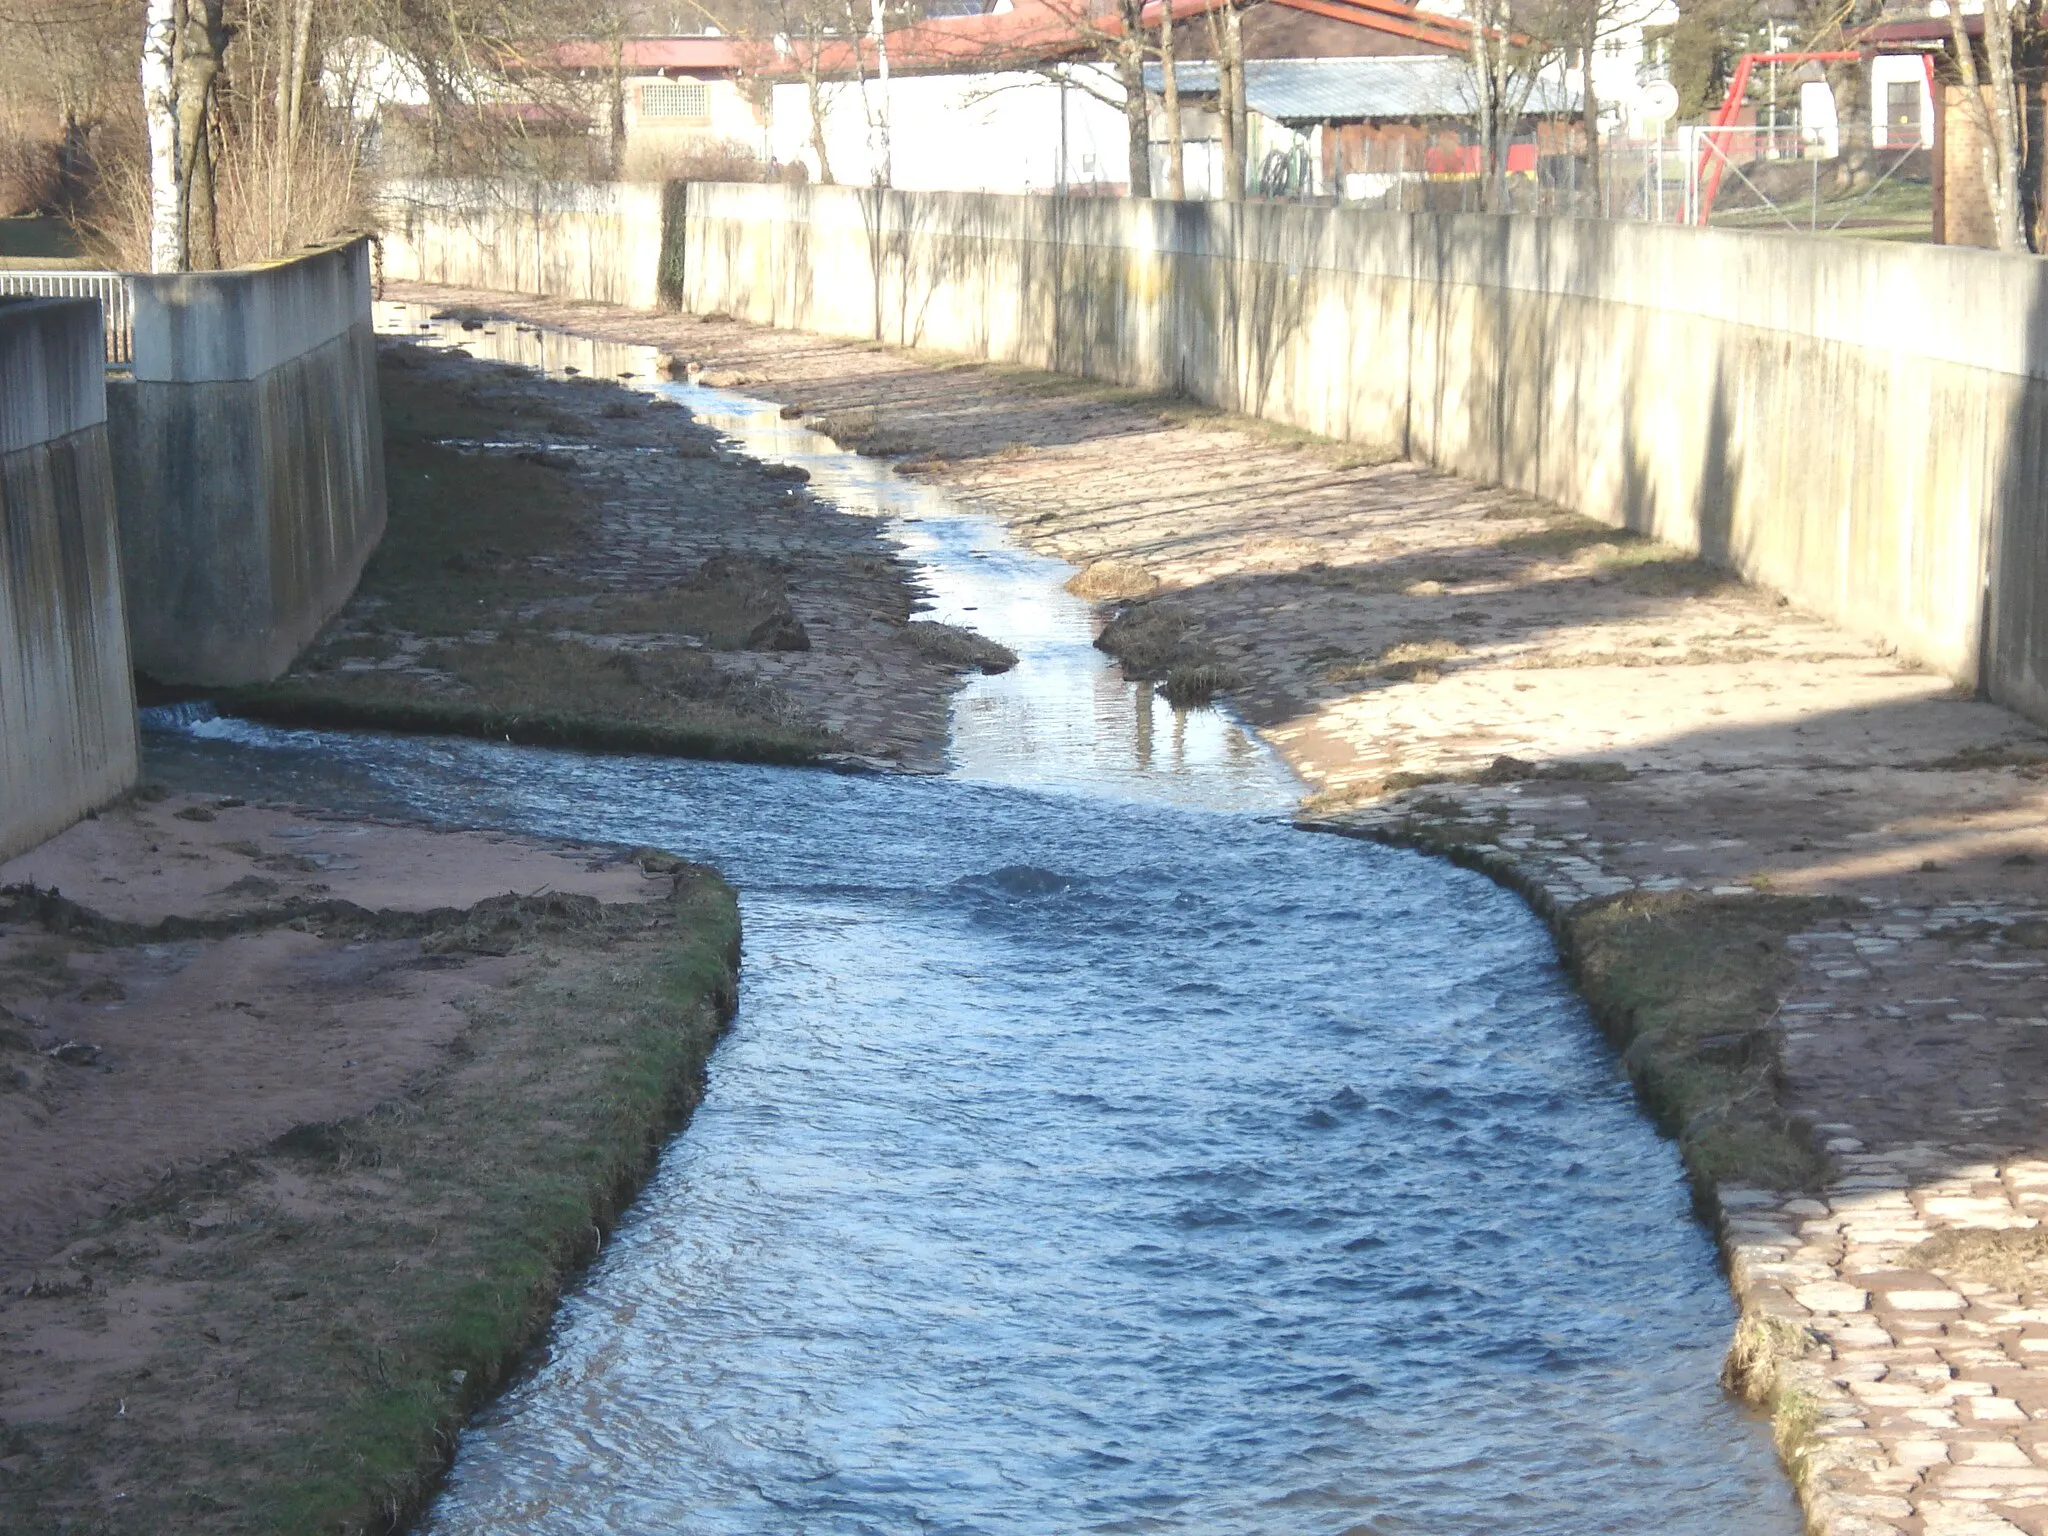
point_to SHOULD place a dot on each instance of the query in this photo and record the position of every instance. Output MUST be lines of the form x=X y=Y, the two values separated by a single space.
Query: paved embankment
x=1800 y=879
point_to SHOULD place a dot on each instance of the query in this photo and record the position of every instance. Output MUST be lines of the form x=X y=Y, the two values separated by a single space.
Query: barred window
x=675 y=98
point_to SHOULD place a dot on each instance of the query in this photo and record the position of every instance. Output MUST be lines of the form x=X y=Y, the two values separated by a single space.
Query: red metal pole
x=1713 y=158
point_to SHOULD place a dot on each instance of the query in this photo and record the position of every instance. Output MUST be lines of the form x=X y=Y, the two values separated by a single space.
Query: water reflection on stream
x=1091 y=1153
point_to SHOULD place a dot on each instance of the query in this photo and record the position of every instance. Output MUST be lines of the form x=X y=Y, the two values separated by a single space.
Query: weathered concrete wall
x=1857 y=425
x=566 y=239
x=249 y=461
x=67 y=705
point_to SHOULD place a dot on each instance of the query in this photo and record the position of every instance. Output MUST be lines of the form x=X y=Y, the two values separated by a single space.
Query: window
x=686 y=99
x=1902 y=111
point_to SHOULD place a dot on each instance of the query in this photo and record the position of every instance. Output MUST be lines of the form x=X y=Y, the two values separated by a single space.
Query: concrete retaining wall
x=67 y=707
x=1858 y=425
x=249 y=461
x=597 y=242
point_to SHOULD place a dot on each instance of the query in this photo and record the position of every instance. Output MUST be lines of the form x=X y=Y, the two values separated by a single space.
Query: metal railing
x=112 y=289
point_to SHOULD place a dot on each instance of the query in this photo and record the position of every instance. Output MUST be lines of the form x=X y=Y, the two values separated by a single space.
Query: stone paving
x=1726 y=743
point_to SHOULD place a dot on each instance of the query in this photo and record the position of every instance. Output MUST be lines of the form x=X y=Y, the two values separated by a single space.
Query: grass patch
x=958 y=647
x=1381 y=580
x=1665 y=572
x=862 y=430
x=2006 y=1259
x=1687 y=987
x=1179 y=411
x=1148 y=639
x=1567 y=534
x=1638 y=562
x=732 y=603
x=540 y=690
x=1113 y=581
x=464 y=531
x=1438 y=808
x=1412 y=661
x=1161 y=642
x=2030 y=758
x=338 y=1303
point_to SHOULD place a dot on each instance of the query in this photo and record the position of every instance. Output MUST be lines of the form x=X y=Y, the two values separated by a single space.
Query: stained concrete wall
x=1858 y=425
x=568 y=240
x=67 y=707
x=249 y=462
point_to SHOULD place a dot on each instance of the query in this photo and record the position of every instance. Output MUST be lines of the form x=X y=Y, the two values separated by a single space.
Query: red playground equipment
x=1713 y=156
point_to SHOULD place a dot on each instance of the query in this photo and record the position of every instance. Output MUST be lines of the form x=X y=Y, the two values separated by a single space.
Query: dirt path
x=267 y=1235
x=1800 y=879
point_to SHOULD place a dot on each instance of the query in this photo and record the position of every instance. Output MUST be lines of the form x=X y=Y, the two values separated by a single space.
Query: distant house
x=635 y=105
x=1358 y=129
x=1025 y=99
x=1016 y=99
x=675 y=98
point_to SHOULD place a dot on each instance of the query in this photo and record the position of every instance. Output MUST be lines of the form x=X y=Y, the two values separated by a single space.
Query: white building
x=997 y=132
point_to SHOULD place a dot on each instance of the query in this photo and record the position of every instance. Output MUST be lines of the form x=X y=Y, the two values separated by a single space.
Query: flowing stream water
x=1092 y=1152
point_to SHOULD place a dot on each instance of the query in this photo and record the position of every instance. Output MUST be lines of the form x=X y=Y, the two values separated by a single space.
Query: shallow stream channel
x=1092 y=1151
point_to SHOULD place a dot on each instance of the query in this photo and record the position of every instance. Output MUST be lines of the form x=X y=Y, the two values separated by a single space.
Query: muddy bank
x=1799 y=878
x=569 y=562
x=269 y=1233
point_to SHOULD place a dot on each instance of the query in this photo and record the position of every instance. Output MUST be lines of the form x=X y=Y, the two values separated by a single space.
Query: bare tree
x=1118 y=36
x=800 y=36
x=1226 y=42
x=875 y=105
x=1169 y=92
x=1512 y=43
x=798 y=32
x=183 y=45
x=1997 y=121
x=1582 y=27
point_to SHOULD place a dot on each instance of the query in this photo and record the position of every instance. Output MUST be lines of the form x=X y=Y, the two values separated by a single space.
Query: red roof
x=1038 y=31
x=1915 y=30
x=652 y=53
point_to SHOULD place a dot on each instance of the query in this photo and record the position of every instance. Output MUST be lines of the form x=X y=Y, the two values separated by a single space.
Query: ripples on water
x=1090 y=1162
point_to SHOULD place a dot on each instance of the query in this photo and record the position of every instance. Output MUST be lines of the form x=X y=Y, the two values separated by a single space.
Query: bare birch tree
x=183 y=43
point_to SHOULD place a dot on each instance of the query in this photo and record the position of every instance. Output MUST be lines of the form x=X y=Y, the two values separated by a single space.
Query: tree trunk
x=1482 y=82
x=1997 y=136
x=202 y=43
x=805 y=53
x=1130 y=70
x=615 y=117
x=160 y=108
x=302 y=42
x=1230 y=81
x=1176 y=168
x=888 y=174
x=1226 y=125
x=814 y=91
x=2005 y=189
x=1592 y=106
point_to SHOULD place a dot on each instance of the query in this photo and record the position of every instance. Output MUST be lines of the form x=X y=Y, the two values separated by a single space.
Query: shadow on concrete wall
x=1720 y=480
x=2012 y=660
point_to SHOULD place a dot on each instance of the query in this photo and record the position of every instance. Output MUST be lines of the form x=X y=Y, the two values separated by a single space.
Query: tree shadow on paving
x=1919 y=830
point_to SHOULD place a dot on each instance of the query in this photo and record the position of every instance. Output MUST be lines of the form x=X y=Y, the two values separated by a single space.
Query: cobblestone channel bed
x=1896 y=1312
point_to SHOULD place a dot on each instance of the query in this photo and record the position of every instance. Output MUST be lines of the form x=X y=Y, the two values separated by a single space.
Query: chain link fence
x=1781 y=177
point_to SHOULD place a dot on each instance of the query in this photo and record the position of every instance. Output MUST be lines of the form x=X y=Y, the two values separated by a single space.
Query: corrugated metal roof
x=1312 y=90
